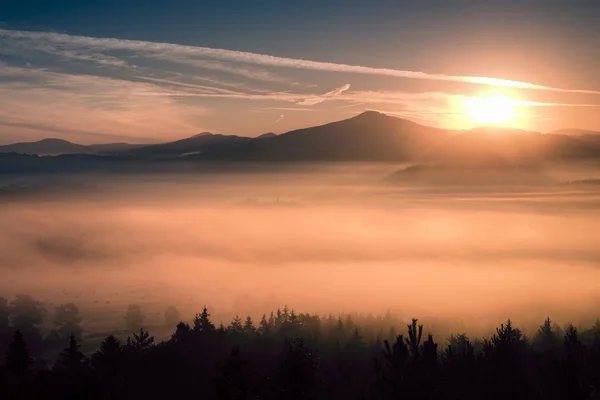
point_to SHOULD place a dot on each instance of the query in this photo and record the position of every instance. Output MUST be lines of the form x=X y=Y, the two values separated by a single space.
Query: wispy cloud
x=279 y=109
x=279 y=119
x=311 y=101
x=90 y=107
x=543 y=104
x=101 y=59
x=169 y=51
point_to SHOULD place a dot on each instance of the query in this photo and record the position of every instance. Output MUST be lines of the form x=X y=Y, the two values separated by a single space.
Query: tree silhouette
x=280 y=362
x=249 y=328
x=4 y=313
x=202 y=322
x=264 y=328
x=414 y=339
x=231 y=384
x=71 y=358
x=297 y=372
x=546 y=338
x=183 y=333
x=109 y=362
x=140 y=342
x=18 y=361
x=235 y=326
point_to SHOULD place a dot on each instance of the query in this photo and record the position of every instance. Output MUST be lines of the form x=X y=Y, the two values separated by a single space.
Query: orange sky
x=454 y=67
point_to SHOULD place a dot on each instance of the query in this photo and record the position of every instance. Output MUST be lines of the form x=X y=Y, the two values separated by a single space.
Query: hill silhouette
x=52 y=146
x=370 y=136
x=202 y=144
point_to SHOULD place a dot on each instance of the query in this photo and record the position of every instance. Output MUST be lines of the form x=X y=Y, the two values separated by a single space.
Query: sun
x=490 y=109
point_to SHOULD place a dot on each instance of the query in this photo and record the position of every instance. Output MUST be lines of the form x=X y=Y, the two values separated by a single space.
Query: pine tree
x=109 y=357
x=18 y=361
x=236 y=325
x=272 y=320
x=285 y=315
x=356 y=343
x=546 y=338
x=182 y=333
x=231 y=384
x=249 y=328
x=264 y=327
x=143 y=341
x=4 y=313
x=202 y=322
x=414 y=338
x=71 y=358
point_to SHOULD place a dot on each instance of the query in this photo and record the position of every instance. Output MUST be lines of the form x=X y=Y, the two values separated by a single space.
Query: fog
x=320 y=239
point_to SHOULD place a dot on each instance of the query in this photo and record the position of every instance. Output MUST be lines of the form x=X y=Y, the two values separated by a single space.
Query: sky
x=156 y=70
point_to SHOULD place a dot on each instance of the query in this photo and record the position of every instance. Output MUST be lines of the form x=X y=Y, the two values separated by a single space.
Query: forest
x=286 y=355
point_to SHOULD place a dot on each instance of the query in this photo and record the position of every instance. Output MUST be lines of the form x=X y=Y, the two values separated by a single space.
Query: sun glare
x=491 y=109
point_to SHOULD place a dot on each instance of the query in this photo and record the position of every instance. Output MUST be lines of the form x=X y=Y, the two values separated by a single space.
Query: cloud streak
x=319 y=99
x=168 y=51
x=96 y=108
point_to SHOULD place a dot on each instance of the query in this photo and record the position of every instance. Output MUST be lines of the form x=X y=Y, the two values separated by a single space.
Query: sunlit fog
x=321 y=239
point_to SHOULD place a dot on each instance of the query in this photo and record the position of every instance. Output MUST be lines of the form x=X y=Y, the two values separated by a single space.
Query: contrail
x=168 y=51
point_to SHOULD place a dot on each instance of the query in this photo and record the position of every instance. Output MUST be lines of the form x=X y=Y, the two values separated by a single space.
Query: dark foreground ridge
x=290 y=356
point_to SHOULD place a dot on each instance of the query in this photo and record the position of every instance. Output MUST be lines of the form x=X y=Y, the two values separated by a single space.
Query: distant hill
x=113 y=148
x=370 y=136
x=367 y=137
x=202 y=144
x=49 y=146
x=266 y=135
x=511 y=146
x=574 y=132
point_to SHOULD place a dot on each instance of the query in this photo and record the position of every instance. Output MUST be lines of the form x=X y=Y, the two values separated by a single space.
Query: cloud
x=279 y=119
x=91 y=107
x=97 y=58
x=542 y=104
x=279 y=109
x=319 y=99
x=188 y=54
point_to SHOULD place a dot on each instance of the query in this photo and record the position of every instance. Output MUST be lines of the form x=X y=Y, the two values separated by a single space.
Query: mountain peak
x=370 y=114
x=202 y=134
x=266 y=135
x=52 y=140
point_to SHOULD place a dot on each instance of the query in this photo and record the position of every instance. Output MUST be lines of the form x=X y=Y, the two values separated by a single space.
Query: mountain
x=511 y=146
x=45 y=147
x=113 y=148
x=370 y=136
x=52 y=147
x=266 y=135
x=574 y=132
x=202 y=144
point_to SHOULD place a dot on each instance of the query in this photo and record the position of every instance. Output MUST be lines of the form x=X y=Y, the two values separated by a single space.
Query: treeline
x=289 y=355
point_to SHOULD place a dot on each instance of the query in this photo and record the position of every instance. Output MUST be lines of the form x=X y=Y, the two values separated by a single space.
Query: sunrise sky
x=157 y=70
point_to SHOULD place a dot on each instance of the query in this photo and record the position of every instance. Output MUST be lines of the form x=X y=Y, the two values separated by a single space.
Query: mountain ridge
x=368 y=136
